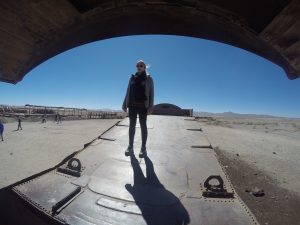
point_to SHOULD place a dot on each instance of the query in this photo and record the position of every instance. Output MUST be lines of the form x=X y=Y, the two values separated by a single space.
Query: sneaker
x=128 y=150
x=143 y=152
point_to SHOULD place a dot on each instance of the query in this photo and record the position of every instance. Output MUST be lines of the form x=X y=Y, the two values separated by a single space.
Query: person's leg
x=132 y=113
x=1 y=131
x=143 y=124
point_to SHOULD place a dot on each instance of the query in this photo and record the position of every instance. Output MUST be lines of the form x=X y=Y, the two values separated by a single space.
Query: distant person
x=19 y=123
x=44 y=119
x=1 y=130
x=139 y=99
x=58 y=118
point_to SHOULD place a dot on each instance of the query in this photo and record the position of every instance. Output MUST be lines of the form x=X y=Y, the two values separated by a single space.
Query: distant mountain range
x=224 y=114
x=195 y=113
x=234 y=115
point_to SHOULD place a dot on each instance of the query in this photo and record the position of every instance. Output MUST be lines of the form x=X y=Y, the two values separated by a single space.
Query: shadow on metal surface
x=13 y=211
x=167 y=208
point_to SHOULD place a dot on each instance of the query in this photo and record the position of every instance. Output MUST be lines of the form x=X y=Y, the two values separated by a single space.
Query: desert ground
x=257 y=153
x=261 y=154
x=40 y=146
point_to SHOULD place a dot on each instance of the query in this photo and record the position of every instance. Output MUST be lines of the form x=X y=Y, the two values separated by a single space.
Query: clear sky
x=189 y=72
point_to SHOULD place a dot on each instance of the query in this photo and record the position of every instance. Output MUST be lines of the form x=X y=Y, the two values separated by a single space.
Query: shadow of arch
x=158 y=205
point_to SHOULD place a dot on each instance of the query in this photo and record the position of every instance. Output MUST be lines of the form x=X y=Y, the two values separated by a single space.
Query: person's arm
x=151 y=96
x=124 y=103
x=126 y=96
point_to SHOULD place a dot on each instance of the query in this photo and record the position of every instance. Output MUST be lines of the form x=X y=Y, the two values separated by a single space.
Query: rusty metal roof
x=33 y=31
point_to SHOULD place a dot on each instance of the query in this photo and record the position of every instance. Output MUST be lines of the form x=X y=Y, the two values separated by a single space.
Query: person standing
x=44 y=119
x=19 y=123
x=59 y=118
x=1 y=130
x=139 y=99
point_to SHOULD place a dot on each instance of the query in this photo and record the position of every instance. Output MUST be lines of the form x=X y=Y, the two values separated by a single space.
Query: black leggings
x=133 y=111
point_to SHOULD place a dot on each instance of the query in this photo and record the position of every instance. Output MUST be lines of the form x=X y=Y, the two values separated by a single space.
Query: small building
x=171 y=109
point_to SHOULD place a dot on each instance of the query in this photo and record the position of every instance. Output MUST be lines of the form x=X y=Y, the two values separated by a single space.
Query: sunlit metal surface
x=164 y=188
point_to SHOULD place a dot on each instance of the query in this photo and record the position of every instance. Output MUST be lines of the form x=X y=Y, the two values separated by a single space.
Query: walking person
x=59 y=118
x=19 y=123
x=1 y=130
x=44 y=119
x=56 y=117
x=139 y=100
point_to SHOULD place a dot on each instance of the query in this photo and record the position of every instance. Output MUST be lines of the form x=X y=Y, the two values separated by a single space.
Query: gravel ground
x=262 y=154
x=256 y=153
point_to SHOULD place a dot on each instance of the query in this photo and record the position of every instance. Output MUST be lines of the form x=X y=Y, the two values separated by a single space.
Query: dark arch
x=171 y=109
x=33 y=31
x=167 y=105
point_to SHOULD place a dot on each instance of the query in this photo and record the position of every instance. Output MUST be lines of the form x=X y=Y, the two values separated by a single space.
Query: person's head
x=141 y=66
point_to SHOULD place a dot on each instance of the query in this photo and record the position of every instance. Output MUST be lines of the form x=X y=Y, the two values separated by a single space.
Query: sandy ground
x=40 y=146
x=262 y=153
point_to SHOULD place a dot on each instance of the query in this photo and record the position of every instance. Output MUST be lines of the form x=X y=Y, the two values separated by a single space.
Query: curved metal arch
x=76 y=22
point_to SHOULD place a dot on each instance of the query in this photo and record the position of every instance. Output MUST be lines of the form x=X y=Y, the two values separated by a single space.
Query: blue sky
x=189 y=72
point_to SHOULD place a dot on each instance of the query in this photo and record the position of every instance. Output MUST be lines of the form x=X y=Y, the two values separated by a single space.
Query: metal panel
x=46 y=190
x=164 y=188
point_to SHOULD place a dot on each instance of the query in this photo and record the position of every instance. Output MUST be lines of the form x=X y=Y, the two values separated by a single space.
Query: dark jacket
x=149 y=92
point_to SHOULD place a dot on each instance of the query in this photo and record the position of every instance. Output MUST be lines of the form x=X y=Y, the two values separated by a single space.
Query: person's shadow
x=158 y=205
